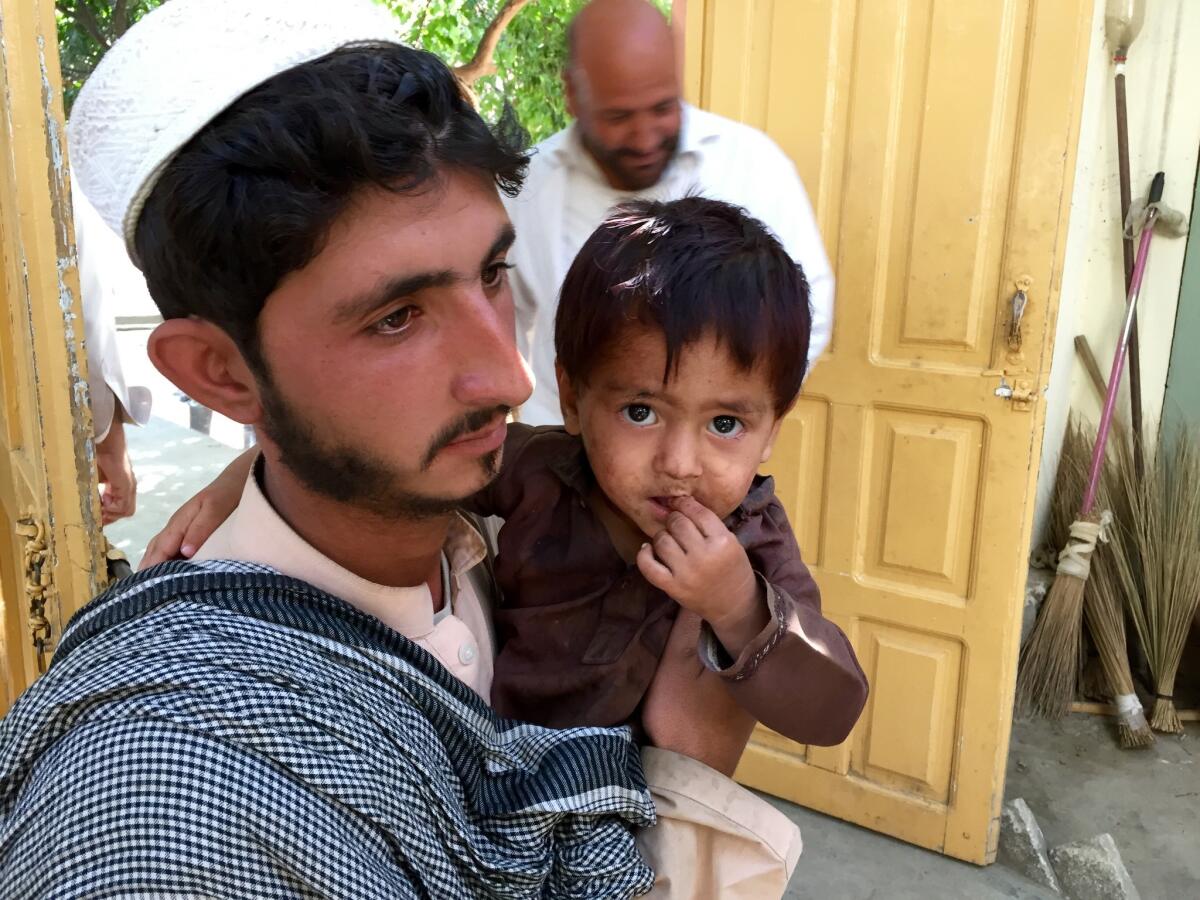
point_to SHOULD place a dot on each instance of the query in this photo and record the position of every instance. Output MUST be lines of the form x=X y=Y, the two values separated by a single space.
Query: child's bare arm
x=791 y=668
x=688 y=708
x=194 y=522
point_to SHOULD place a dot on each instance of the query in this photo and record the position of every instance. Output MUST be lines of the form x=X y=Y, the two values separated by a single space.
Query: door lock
x=1020 y=392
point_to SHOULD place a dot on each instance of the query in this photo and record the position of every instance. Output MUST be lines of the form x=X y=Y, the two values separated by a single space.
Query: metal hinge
x=38 y=584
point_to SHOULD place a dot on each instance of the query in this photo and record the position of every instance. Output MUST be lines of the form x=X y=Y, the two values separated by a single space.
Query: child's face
x=704 y=433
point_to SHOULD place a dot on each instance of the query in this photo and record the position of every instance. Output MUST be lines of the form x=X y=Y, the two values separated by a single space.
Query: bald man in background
x=634 y=137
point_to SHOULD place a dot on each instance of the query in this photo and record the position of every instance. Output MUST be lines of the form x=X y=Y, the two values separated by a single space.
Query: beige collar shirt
x=459 y=635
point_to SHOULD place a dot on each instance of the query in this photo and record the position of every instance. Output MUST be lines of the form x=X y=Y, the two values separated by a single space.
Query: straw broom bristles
x=1069 y=484
x=1102 y=605
x=1049 y=666
x=1161 y=572
x=1044 y=674
x=1106 y=621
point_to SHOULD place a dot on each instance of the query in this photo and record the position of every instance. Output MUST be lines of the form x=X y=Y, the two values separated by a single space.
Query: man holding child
x=303 y=711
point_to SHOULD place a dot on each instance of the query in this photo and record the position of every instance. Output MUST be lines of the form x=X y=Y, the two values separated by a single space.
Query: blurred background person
x=106 y=274
x=634 y=138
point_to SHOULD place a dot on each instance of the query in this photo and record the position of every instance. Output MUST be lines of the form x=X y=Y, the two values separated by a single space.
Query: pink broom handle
x=1118 y=366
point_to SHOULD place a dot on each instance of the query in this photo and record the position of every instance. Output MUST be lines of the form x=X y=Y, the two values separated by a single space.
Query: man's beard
x=361 y=479
x=616 y=160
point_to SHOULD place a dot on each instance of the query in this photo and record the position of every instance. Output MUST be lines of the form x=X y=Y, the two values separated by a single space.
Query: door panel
x=804 y=443
x=50 y=561
x=937 y=143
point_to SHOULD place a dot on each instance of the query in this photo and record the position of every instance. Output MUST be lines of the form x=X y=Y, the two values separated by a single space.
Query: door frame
x=47 y=452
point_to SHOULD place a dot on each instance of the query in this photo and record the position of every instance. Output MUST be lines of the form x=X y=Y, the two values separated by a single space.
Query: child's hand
x=699 y=563
x=194 y=522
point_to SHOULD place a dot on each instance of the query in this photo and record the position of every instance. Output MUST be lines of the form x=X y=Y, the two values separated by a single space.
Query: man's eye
x=726 y=426
x=396 y=322
x=493 y=275
x=639 y=414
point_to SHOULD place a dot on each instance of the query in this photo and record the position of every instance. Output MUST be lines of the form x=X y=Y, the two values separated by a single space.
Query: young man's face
x=704 y=433
x=391 y=356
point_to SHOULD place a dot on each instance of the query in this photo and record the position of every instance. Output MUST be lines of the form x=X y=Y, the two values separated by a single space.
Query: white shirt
x=566 y=197
x=106 y=274
x=459 y=635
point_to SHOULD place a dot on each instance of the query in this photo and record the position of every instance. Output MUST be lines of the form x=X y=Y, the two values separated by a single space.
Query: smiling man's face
x=622 y=87
x=391 y=357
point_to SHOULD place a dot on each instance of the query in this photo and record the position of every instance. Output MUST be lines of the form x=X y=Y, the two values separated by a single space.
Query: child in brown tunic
x=649 y=576
x=682 y=334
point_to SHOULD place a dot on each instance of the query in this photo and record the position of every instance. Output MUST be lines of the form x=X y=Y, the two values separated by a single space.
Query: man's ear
x=572 y=102
x=204 y=362
x=568 y=400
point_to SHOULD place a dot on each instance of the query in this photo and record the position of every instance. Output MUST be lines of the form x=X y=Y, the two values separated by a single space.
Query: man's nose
x=645 y=142
x=489 y=370
x=679 y=455
x=645 y=138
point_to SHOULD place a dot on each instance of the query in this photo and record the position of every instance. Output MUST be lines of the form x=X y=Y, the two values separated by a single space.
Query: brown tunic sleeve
x=799 y=676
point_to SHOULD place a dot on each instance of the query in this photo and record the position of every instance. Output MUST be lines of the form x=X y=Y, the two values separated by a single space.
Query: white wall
x=1162 y=81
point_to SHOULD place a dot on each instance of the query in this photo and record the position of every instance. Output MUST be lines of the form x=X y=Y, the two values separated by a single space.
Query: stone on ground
x=1023 y=846
x=1093 y=870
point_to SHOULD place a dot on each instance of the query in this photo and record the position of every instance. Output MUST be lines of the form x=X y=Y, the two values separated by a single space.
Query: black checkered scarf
x=219 y=729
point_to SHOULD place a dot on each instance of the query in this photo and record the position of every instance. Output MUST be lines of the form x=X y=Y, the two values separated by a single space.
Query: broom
x=1103 y=606
x=1163 y=591
x=1051 y=659
x=1069 y=484
x=1049 y=662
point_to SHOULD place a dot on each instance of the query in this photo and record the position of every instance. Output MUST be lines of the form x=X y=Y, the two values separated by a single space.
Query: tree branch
x=120 y=18
x=483 y=62
x=87 y=20
x=74 y=74
x=418 y=24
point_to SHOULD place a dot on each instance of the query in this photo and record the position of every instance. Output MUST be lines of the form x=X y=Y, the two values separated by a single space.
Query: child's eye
x=639 y=414
x=397 y=322
x=726 y=426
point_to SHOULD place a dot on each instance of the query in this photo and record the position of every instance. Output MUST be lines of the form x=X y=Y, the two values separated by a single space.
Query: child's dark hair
x=691 y=267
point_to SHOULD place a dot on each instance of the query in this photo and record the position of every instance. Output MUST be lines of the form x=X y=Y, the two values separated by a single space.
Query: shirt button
x=466 y=654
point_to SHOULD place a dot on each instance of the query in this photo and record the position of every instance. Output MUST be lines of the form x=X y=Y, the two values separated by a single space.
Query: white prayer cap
x=182 y=65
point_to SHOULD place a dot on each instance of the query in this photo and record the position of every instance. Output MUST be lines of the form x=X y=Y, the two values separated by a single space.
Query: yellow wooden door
x=50 y=560
x=937 y=142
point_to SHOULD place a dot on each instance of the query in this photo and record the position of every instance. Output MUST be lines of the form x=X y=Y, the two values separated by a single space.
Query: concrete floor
x=1079 y=783
x=845 y=862
x=1072 y=774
